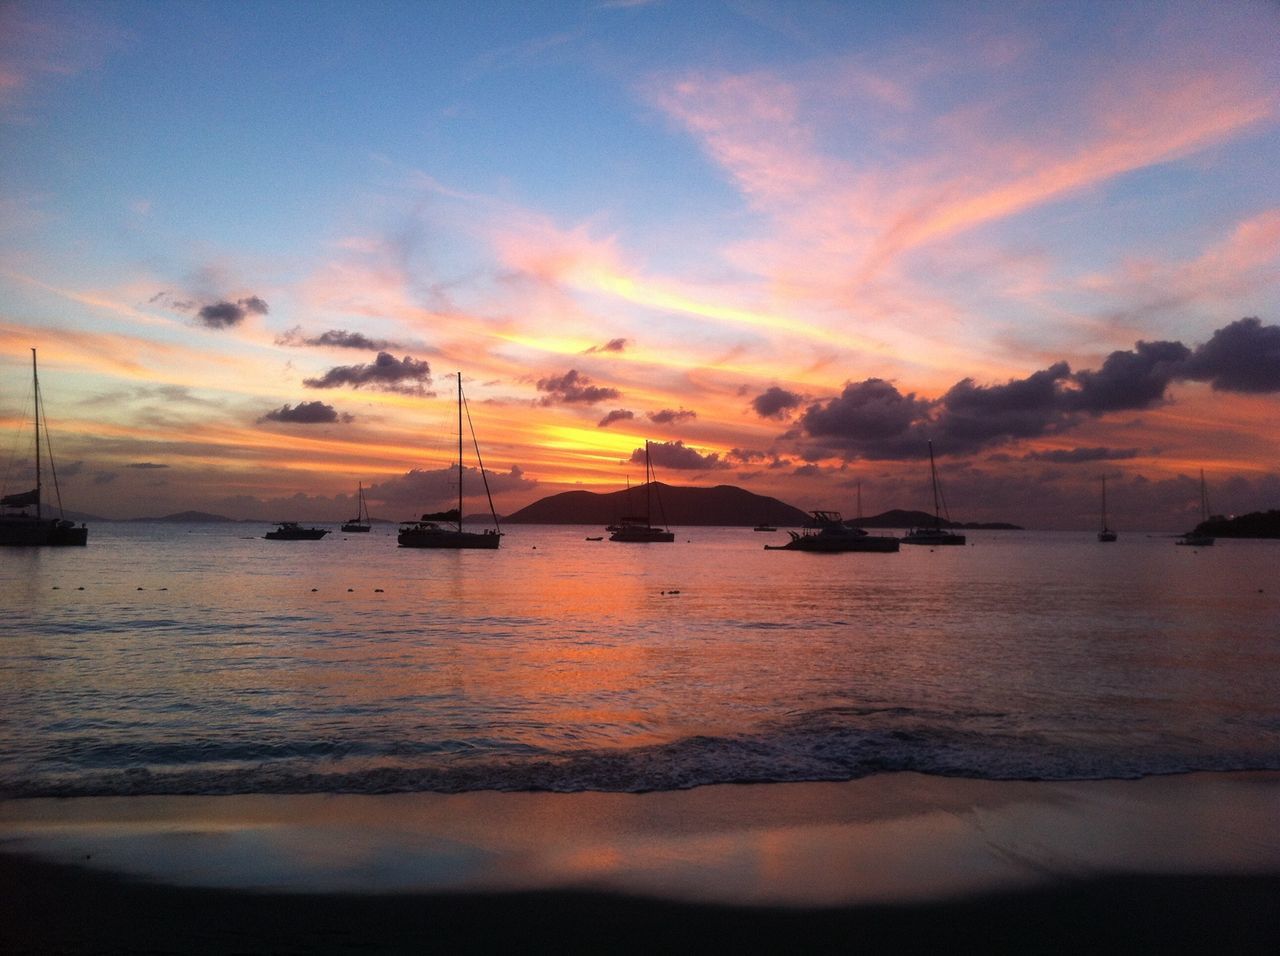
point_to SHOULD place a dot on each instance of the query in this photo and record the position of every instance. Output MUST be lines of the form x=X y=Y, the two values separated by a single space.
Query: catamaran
x=935 y=534
x=639 y=529
x=20 y=527
x=428 y=532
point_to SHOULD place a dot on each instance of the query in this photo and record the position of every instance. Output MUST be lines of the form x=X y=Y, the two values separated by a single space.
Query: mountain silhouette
x=723 y=505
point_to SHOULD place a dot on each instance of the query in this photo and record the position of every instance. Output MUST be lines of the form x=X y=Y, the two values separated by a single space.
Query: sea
x=203 y=659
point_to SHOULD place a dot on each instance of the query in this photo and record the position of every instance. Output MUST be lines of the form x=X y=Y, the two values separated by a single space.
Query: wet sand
x=1188 y=863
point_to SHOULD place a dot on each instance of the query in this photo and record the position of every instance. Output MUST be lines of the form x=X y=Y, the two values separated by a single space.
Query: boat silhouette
x=20 y=527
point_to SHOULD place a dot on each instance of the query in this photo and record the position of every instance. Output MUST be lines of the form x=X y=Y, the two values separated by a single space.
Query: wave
x=828 y=745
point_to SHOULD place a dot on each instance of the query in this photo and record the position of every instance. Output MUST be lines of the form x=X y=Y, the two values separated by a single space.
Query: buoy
x=349 y=590
x=314 y=590
x=56 y=588
x=377 y=590
x=80 y=588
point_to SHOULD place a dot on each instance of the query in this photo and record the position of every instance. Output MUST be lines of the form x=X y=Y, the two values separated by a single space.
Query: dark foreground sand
x=901 y=862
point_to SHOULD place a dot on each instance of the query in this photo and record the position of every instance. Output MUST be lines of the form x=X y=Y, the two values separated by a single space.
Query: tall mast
x=35 y=384
x=1104 y=502
x=459 y=451
x=648 y=486
x=933 y=473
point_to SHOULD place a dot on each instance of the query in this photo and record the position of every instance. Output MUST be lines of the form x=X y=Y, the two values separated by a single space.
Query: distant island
x=721 y=506
x=191 y=517
x=1256 y=524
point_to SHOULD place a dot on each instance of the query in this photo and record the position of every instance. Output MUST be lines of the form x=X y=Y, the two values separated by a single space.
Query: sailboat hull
x=350 y=527
x=448 y=539
x=26 y=531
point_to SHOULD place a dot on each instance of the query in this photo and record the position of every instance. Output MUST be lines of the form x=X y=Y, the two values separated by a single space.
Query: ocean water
x=203 y=659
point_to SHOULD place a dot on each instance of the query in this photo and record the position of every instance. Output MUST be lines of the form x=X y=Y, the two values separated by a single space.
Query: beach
x=1188 y=862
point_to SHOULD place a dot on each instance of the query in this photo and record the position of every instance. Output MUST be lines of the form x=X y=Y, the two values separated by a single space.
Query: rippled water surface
x=204 y=659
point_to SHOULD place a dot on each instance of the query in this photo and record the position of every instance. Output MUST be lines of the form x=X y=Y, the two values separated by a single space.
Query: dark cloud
x=1241 y=357
x=774 y=402
x=169 y=301
x=145 y=465
x=572 y=388
x=670 y=416
x=1070 y=456
x=617 y=415
x=613 y=345
x=305 y=413
x=336 y=338
x=222 y=315
x=678 y=456
x=1128 y=380
x=872 y=416
x=872 y=419
x=408 y=376
x=974 y=416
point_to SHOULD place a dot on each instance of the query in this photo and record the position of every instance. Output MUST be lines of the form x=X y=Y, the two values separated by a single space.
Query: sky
x=787 y=244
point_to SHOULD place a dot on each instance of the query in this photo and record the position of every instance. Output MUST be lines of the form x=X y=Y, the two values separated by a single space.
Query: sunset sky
x=788 y=243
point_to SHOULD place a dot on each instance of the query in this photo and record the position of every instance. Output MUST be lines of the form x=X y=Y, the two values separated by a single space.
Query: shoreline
x=1180 y=860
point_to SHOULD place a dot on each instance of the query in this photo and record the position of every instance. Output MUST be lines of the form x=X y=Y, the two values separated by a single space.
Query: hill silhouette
x=1257 y=524
x=723 y=505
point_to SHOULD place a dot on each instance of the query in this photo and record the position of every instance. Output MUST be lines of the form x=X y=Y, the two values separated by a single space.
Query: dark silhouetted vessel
x=361 y=521
x=1197 y=538
x=936 y=534
x=639 y=529
x=428 y=532
x=1105 y=535
x=22 y=528
x=292 y=531
x=827 y=533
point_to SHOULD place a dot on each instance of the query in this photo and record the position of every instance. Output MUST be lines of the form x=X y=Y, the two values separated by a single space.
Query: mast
x=1104 y=502
x=859 y=518
x=459 y=452
x=35 y=383
x=933 y=473
x=648 y=487
x=1204 y=498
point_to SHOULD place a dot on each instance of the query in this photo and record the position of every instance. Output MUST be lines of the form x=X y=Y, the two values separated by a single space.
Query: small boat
x=361 y=521
x=1196 y=538
x=20 y=527
x=292 y=531
x=597 y=538
x=639 y=530
x=429 y=532
x=1105 y=534
x=935 y=535
x=827 y=533
x=764 y=527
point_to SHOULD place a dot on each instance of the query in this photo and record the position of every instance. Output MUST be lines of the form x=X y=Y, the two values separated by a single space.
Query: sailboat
x=935 y=534
x=18 y=526
x=361 y=521
x=1106 y=534
x=430 y=533
x=640 y=529
x=1196 y=538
